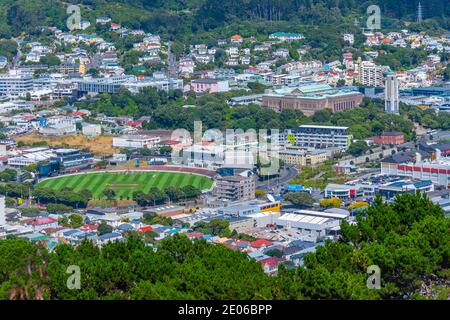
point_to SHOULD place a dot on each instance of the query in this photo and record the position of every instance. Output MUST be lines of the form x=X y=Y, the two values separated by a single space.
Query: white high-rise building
x=2 y=211
x=391 y=95
x=370 y=74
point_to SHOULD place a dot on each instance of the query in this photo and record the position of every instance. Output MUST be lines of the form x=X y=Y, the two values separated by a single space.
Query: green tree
x=76 y=220
x=104 y=228
x=299 y=198
x=358 y=148
x=109 y=193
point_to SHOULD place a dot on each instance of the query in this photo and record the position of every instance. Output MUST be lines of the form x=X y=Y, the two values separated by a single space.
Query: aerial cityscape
x=224 y=150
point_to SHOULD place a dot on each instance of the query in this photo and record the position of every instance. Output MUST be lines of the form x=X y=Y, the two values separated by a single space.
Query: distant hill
x=192 y=16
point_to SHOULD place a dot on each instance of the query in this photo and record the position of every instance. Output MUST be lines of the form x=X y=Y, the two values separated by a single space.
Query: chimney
x=2 y=211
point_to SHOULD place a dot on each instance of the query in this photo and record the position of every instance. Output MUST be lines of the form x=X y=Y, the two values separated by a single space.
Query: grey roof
x=70 y=232
x=205 y=80
x=404 y=156
x=125 y=227
x=107 y=236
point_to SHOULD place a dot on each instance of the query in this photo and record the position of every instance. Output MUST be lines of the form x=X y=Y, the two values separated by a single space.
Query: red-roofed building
x=172 y=142
x=236 y=39
x=89 y=227
x=115 y=26
x=195 y=234
x=44 y=223
x=136 y=124
x=270 y=265
x=145 y=229
x=29 y=117
x=389 y=138
x=260 y=243
x=52 y=231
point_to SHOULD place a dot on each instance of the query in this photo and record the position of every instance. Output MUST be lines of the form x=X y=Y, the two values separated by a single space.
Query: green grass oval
x=125 y=183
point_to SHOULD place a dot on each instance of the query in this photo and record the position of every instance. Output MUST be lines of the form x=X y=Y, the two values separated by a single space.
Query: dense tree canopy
x=408 y=239
x=167 y=112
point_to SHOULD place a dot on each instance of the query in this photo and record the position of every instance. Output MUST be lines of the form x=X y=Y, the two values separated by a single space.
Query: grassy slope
x=126 y=183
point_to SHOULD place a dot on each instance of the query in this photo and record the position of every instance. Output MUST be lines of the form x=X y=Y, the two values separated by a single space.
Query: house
x=92 y=130
x=109 y=237
x=115 y=26
x=349 y=37
x=33 y=56
x=281 y=53
x=89 y=227
x=84 y=24
x=145 y=229
x=162 y=231
x=258 y=256
x=125 y=227
x=286 y=36
x=195 y=235
x=261 y=243
x=270 y=265
x=103 y=20
x=236 y=39
x=245 y=59
x=186 y=66
x=44 y=223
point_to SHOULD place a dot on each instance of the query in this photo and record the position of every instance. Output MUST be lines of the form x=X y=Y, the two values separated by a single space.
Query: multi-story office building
x=164 y=84
x=391 y=95
x=303 y=158
x=112 y=85
x=235 y=188
x=15 y=85
x=370 y=74
x=322 y=137
x=100 y=85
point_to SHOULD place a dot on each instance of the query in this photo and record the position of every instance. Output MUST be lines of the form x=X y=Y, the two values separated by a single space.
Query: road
x=286 y=174
x=16 y=59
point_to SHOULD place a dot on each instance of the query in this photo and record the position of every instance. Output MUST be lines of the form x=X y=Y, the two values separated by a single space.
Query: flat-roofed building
x=343 y=191
x=311 y=98
x=370 y=74
x=15 y=85
x=205 y=85
x=438 y=171
x=245 y=100
x=320 y=137
x=235 y=188
x=393 y=137
x=250 y=207
x=136 y=141
x=313 y=224
x=92 y=130
x=303 y=158
x=110 y=85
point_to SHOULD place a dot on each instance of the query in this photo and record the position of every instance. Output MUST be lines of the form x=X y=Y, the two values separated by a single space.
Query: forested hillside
x=187 y=16
x=408 y=240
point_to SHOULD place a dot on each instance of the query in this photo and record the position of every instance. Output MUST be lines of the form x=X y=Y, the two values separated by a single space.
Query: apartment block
x=235 y=188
